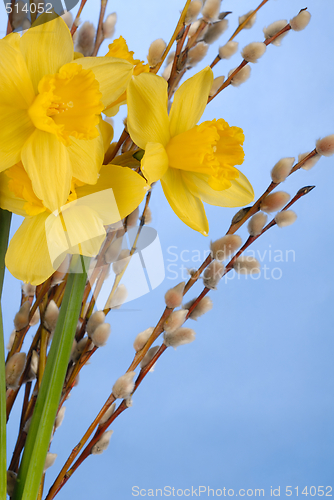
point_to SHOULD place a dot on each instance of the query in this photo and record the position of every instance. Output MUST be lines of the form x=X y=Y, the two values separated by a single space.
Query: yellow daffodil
x=45 y=238
x=50 y=106
x=119 y=49
x=194 y=163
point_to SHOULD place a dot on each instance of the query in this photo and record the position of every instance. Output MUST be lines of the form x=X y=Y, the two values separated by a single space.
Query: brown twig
x=77 y=17
x=99 y=34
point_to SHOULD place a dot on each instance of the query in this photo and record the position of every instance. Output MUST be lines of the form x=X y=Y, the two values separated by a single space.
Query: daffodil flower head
x=50 y=108
x=195 y=163
x=45 y=238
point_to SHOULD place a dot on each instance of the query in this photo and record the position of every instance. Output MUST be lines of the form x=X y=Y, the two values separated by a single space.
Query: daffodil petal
x=16 y=88
x=107 y=132
x=155 y=162
x=46 y=47
x=8 y=200
x=112 y=74
x=86 y=158
x=187 y=207
x=147 y=110
x=127 y=187
x=48 y=165
x=190 y=101
x=27 y=256
x=15 y=129
x=238 y=195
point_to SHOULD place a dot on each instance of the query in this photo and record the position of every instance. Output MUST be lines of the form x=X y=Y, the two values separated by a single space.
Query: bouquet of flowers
x=97 y=144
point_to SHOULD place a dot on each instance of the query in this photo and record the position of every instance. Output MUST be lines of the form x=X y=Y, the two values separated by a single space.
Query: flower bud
x=107 y=414
x=300 y=21
x=226 y=246
x=149 y=356
x=36 y=318
x=174 y=296
x=282 y=169
x=325 y=146
x=124 y=386
x=34 y=363
x=194 y=27
x=11 y=482
x=215 y=30
x=102 y=444
x=113 y=251
x=310 y=162
x=21 y=319
x=109 y=25
x=142 y=338
x=179 y=337
x=51 y=316
x=197 y=53
x=78 y=348
x=131 y=220
x=167 y=71
x=257 y=223
x=155 y=52
x=228 y=50
x=101 y=335
x=14 y=369
x=86 y=39
x=249 y=23
x=175 y=320
x=28 y=290
x=205 y=305
x=241 y=76
x=211 y=10
x=148 y=216
x=50 y=460
x=96 y=319
x=285 y=218
x=61 y=272
x=213 y=274
x=274 y=201
x=193 y=10
x=68 y=18
x=60 y=417
x=247 y=265
x=26 y=426
x=118 y=298
x=18 y=14
x=122 y=261
x=274 y=28
x=11 y=340
x=216 y=84
x=253 y=51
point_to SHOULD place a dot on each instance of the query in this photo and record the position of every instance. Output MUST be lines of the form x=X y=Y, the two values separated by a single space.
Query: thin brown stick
x=77 y=17
x=99 y=34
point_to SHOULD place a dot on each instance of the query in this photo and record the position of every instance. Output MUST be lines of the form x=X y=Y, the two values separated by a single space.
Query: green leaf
x=31 y=468
x=5 y=219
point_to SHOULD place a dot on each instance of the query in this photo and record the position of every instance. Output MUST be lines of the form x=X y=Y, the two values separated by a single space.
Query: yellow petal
x=15 y=129
x=76 y=230
x=16 y=86
x=8 y=200
x=128 y=189
x=147 y=110
x=46 y=47
x=186 y=206
x=238 y=195
x=190 y=101
x=112 y=74
x=27 y=256
x=48 y=165
x=155 y=162
x=86 y=158
x=107 y=132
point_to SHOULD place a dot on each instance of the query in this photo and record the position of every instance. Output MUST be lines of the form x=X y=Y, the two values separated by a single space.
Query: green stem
x=38 y=440
x=5 y=219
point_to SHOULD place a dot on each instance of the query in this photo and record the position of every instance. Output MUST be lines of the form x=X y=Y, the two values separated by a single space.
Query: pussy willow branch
x=244 y=62
x=99 y=34
x=77 y=17
x=101 y=428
